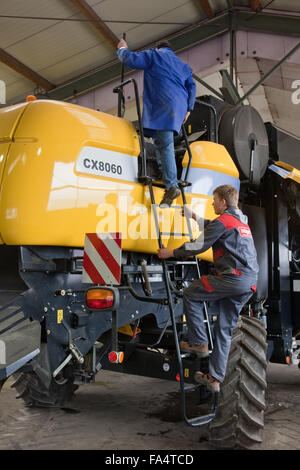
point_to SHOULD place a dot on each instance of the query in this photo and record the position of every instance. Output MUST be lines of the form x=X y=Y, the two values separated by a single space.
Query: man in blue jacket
x=168 y=98
x=233 y=281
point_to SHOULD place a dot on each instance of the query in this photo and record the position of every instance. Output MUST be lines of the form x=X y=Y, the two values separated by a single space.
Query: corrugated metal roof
x=50 y=42
x=60 y=50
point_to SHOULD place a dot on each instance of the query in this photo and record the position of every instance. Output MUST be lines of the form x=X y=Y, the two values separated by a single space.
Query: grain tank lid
x=71 y=124
x=9 y=118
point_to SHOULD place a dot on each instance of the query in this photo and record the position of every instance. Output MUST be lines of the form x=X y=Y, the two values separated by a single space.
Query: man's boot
x=169 y=196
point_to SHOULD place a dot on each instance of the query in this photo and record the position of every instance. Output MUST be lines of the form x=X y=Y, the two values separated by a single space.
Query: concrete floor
x=124 y=412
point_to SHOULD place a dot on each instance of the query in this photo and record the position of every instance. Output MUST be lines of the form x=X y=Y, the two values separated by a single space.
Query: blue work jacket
x=169 y=88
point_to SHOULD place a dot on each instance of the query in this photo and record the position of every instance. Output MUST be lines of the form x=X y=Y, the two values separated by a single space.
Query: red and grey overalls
x=232 y=282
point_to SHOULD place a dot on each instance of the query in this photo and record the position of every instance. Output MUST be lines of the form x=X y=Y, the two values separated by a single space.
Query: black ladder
x=146 y=180
x=198 y=420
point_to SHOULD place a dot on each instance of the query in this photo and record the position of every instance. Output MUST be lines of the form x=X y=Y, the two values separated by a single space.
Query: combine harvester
x=80 y=226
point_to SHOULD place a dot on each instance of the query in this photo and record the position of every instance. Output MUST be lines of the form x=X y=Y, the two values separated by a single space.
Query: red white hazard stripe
x=102 y=258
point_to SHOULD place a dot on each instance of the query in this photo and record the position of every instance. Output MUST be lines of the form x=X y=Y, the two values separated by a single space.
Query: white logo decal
x=296 y=94
x=2 y=352
x=101 y=162
x=2 y=92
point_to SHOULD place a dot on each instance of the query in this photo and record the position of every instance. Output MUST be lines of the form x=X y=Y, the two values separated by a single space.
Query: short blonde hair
x=229 y=193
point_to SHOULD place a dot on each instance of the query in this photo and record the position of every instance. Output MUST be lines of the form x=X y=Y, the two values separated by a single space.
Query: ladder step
x=175 y=234
x=191 y=388
x=158 y=185
x=185 y=355
x=170 y=207
x=181 y=184
x=184 y=184
x=189 y=263
x=201 y=420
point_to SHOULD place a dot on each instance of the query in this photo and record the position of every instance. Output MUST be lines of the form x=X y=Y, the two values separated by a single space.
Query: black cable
x=265 y=6
x=93 y=20
x=100 y=20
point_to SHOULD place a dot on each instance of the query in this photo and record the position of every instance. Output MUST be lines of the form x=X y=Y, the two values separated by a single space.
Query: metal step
x=174 y=234
x=171 y=207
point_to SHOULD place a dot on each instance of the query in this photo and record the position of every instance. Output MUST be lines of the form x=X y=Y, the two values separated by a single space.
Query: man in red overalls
x=233 y=281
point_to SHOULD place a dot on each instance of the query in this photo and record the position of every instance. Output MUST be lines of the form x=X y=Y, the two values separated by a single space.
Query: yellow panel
x=9 y=118
x=46 y=199
x=211 y=156
x=294 y=173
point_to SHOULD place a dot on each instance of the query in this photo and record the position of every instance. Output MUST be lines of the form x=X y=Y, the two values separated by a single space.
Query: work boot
x=212 y=384
x=169 y=196
x=200 y=351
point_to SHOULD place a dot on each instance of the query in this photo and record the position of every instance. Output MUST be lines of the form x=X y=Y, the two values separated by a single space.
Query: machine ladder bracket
x=154 y=345
x=184 y=184
x=146 y=180
x=204 y=419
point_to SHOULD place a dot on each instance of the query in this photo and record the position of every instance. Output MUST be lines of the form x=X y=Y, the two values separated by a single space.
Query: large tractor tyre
x=239 y=421
x=35 y=394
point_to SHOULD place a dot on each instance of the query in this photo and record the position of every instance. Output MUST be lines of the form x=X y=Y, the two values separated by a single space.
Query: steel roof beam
x=97 y=22
x=108 y=72
x=207 y=8
x=22 y=69
x=267 y=75
x=206 y=85
x=255 y=5
x=264 y=22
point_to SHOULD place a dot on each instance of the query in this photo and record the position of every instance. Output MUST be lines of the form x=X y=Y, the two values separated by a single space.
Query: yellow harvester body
x=66 y=170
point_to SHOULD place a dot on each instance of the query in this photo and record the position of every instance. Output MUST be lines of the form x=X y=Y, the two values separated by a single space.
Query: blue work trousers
x=165 y=154
x=232 y=293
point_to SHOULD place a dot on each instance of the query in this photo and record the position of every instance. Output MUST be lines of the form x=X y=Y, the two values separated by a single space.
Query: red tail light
x=116 y=357
x=99 y=298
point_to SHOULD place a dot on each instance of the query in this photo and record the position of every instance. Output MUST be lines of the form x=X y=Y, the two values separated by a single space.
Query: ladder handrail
x=200 y=420
x=189 y=152
x=213 y=109
x=139 y=114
